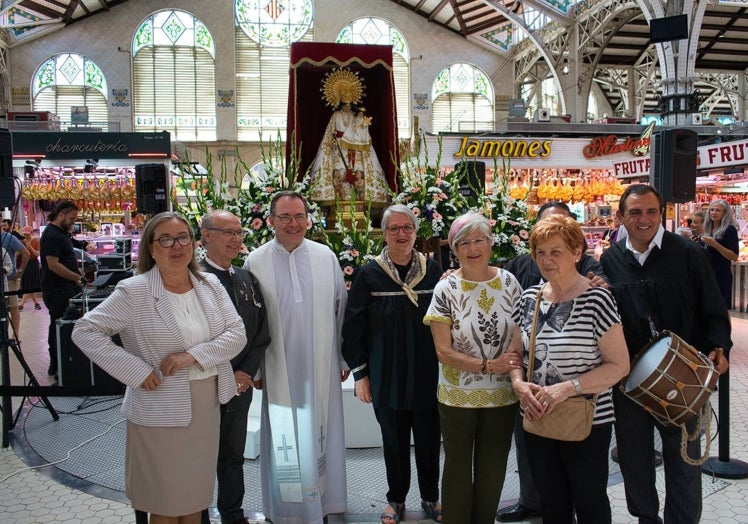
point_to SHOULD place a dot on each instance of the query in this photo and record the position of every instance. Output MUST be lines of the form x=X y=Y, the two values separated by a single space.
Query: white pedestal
x=361 y=426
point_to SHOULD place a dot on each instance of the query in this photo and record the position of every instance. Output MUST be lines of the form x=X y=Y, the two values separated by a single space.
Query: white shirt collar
x=216 y=266
x=656 y=241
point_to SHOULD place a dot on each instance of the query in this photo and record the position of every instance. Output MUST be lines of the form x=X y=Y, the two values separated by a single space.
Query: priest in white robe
x=302 y=456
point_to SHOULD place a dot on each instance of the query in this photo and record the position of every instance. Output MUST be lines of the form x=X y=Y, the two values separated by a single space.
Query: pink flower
x=256 y=223
x=354 y=253
x=524 y=234
x=416 y=211
x=348 y=270
x=269 y=189
x=436 y=216
x=443 y=196
x=515 y=240
x=492 y=222
x=348 y=286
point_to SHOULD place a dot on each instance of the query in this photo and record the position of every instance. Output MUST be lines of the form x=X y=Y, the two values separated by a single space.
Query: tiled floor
x=50 y=494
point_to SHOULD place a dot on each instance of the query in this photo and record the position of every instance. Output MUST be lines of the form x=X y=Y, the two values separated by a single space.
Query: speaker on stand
x=674 y=165
x=151 y=188
x=7 y=180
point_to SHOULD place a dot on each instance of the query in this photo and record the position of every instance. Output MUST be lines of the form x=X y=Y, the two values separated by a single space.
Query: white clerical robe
x=302 y=457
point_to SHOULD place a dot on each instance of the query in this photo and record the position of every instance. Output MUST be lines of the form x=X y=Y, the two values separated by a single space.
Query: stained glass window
x=375 y=31
x=462 y=98
x=68 y=80
x=174 y=76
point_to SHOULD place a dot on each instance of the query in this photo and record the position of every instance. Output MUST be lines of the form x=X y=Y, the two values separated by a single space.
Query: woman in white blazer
x=179 y=331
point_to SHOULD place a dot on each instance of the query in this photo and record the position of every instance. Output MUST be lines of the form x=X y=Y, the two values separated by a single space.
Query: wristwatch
x=577 y=386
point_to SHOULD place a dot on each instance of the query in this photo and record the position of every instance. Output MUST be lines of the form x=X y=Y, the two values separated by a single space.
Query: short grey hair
x=401 y=209
x=465 y=225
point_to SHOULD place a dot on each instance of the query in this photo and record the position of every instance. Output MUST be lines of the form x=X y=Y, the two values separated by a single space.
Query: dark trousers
x=476 y=447
x=56 y=301
x=396 y=426
x=636 y=456
x=230 y=467
x=528 y=493
x=572 y=477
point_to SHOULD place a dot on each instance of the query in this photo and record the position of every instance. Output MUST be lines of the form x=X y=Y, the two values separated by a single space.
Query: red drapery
x=308 y=113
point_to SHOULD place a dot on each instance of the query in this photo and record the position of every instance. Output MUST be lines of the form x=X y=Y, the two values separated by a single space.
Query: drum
x=670 y=379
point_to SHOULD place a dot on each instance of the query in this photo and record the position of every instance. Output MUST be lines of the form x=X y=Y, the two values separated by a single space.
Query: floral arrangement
x=508 y=217
x=434 y=195
x=353 y=244
x=431 y=193
x=251 y=203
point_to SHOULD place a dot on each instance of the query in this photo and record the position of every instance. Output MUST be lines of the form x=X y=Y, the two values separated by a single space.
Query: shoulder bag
x=570 y=420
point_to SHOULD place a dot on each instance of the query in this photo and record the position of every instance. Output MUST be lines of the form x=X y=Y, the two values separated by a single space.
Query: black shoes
x=52 y=370
x=516 y=513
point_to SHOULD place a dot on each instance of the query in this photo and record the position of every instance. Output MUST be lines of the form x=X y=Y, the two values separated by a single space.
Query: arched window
x=264 y=33
x=174 y=76
x=69 y=80
x=462 y=98
x=375 y=31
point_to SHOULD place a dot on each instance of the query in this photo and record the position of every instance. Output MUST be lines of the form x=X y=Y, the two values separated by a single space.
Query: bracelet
x=483 y=365
x=577 y=386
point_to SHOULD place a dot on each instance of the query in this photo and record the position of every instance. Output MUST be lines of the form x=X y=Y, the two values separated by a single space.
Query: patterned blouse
x=480 y=317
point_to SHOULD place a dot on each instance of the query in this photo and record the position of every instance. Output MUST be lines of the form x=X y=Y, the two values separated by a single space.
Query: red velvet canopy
x=308 y=113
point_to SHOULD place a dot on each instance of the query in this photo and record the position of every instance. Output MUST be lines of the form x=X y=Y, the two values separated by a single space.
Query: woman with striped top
x=579 y=350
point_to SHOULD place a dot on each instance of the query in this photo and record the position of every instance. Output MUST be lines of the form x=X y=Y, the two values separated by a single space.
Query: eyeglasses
x=638 y=213
x=230 y=233
x=286 y=219
x=407 y=229
x=477 y=242
x=168 y=241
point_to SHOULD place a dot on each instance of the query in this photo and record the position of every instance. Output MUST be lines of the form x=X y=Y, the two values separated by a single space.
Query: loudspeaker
x=6 y=154
x=151 y=188
x=472 y=177
x=74 y=368
x=7 y=192
x=674 y=166
x=542 y=115
x=694 y=119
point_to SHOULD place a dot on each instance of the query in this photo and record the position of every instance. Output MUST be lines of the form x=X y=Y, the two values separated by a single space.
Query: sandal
x=431 y=511
x=394 y=516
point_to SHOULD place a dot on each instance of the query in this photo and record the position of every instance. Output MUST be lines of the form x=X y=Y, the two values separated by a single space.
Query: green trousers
x=476 y=446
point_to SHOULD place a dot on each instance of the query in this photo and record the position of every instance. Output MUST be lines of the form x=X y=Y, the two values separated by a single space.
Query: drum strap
x=686 y=437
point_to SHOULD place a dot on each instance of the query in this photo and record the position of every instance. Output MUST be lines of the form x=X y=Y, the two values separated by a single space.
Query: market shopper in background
x=527 y=272
x=661 y=281
x=223 y=237
x=19 y=256
x=697 y=226
x=471 y=321
x=392 y=355
x=61 y=276
x=722 y=245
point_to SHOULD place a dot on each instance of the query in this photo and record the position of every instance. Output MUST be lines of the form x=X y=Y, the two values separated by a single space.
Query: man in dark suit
x=222 y=237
